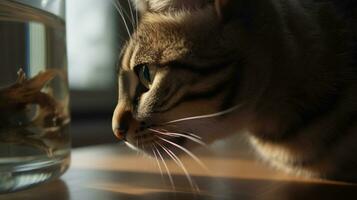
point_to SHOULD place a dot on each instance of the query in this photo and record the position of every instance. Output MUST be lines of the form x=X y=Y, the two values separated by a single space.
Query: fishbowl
x=34 y=95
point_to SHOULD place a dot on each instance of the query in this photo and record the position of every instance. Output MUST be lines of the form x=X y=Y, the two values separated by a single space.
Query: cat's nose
x=121 y=124
x=121 y=131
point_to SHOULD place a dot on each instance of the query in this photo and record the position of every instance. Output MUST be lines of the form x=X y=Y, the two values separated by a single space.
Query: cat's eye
x=143 y=72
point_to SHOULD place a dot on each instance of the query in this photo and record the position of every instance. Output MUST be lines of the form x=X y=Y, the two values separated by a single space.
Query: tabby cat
x=284 y=71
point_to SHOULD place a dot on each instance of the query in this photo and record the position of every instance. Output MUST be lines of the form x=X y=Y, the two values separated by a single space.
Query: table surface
x=114 y=171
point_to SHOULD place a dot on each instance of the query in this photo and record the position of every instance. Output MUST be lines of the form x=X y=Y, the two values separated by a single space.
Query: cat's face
x=175 y=66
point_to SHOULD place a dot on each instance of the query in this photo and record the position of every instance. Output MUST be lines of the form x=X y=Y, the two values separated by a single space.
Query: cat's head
x=181 y=62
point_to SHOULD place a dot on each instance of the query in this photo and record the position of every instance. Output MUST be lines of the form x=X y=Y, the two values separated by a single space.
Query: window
x=95 y=33
x=92 y=54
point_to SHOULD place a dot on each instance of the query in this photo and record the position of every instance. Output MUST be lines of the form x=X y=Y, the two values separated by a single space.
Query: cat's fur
x=290 y=65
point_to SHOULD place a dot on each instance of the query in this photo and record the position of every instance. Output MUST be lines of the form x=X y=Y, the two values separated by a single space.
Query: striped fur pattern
x=287 y=67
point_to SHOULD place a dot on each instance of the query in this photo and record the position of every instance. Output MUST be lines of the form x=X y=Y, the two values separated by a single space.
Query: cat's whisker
x=131 y=20
x=194 y=135
x=137 y=18
x=160 y=132
x=193 y=156
x=157 y=162
x=205 y=116
x=131 y=13
x=179 y=163
x=121 y=10
x=167 y=169
x=198 y=141
x=187 y=133
x=118 y=8
x=194 y=139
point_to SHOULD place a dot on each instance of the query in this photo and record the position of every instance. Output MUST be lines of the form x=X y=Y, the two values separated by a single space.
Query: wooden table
x=115 y=172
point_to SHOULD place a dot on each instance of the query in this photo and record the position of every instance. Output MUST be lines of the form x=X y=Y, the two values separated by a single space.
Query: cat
x=281 y=71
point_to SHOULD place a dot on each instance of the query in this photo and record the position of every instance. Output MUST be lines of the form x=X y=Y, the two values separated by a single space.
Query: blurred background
x=95 y=34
